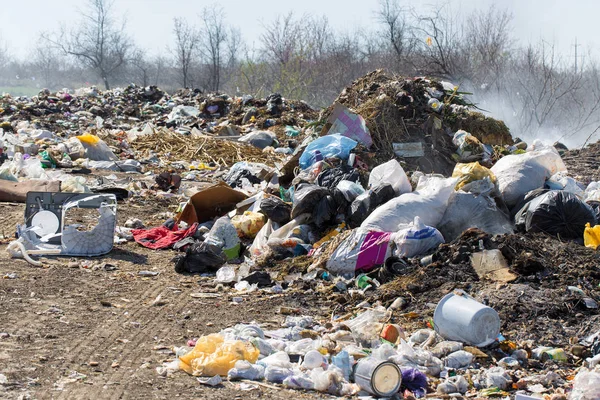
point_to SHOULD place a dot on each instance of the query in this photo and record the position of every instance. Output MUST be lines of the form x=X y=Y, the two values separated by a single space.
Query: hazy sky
x=150 y=21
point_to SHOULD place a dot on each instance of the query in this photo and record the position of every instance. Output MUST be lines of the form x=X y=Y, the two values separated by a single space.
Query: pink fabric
x=373 y=250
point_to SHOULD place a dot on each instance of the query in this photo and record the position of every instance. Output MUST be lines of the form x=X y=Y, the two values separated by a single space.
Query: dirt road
x=75 y=331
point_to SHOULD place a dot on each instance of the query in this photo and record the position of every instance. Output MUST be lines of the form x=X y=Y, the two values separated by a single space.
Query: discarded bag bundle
x=276 y=209
x=361 y=251
x=199 y=258
x=306 y=198
x=331 y=177
x=415 y=240
x=327 y=147
x=471 y=172
x=557 y=213
x=428 y=202
x=466 y=210
x=518 y=174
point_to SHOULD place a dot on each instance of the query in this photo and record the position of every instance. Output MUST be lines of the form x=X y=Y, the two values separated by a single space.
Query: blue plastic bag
x=328 y=146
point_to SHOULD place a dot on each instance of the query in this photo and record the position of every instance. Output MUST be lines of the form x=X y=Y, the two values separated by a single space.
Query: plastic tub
x=461 y=318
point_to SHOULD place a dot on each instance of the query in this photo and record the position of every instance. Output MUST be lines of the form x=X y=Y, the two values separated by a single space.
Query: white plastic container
x=461 y=318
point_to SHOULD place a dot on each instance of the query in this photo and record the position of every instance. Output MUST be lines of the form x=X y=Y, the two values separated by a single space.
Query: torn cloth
x=161 y=237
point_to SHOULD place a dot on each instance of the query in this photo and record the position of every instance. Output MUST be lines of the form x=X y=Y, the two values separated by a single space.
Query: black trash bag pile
x=200 y=257
x=332 y=176
x=556 y=212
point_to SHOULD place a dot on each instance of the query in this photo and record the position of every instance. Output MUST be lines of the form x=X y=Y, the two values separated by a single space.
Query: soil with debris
x=79 y=326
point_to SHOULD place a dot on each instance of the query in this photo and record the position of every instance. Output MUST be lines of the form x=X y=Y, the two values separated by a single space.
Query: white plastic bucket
x=461 y=318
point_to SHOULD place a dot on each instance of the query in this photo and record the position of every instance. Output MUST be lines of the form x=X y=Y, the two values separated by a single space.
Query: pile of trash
x=414 y=119
x=413 y=210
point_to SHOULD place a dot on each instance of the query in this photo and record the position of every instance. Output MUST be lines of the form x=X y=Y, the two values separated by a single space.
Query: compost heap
x=276 y=198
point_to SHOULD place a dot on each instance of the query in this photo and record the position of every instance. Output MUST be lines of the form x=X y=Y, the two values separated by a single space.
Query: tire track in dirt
x=104 y=339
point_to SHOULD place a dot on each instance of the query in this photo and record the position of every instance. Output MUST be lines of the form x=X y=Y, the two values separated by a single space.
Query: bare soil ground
x=100 y=323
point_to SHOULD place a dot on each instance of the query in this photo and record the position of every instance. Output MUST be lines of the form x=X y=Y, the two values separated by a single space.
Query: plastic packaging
x=276 y=374
x=471 y=172
x=248 y=224
x=279 y=359
x=415 y=240
x=342 y=361
x=361 y=251
x=466 y=210
x=224 y=235
x=313 y=359
x=299 y=381
x=391 y=173
x=518 y=174
x=276 y=209
x=245 y=370
x=591 y=236
x=429 y=203
x=350 y=190
x=586 y=385
x=212 y=355
x=468 y=145
x=306 y=198
x=459 y=317
x=560 y=181
x=96 y=149
x=225 y=274
x=328 y=146
x=458 y=359
x=497 y=377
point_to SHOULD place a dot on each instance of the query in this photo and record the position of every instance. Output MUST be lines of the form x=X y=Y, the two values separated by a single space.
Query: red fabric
x=161 y=237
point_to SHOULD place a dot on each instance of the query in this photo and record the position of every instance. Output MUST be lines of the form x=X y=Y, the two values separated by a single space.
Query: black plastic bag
x=332 y=176
x=526 y=199
x=368 y=202
x=325 y=212
x=276 y=210
x=306 y=198
x=381 y=194
x=557 y=213
x=199 y=258
x=359 y=210
x=234 y=178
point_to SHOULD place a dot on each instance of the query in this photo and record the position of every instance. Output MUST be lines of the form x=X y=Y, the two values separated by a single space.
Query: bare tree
x=396 y=30
x=141 y=67
x=99 y=42
x=5 y=57
x=282 y=38
x=187 y=42
x=48 y=63
x=488 y=43
x=215 y=37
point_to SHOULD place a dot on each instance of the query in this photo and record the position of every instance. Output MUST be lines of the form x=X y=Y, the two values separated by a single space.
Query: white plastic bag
x=416 y=240
x=466 y=210
x=586 y=385
x=428 y=202
x=390 y=172
x=560 y=181
x=518 y=174
x=259 y=245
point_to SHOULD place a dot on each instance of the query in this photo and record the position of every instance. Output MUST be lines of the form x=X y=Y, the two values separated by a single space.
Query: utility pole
x=576 y=57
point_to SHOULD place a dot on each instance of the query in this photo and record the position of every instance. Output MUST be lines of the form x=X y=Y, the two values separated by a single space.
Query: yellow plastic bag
x=212 y=356
x=591 y=236
x=88 y=139
x=248 y=224
x=471 y=172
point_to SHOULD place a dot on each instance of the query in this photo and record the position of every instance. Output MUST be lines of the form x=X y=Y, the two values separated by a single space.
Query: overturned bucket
x=378 y=377
x=461 y=318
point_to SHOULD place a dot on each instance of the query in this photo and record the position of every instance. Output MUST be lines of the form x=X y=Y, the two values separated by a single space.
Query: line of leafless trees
x=300 y=56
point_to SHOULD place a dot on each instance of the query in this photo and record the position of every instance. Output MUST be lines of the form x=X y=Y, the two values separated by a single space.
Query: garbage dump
x=447 y=259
